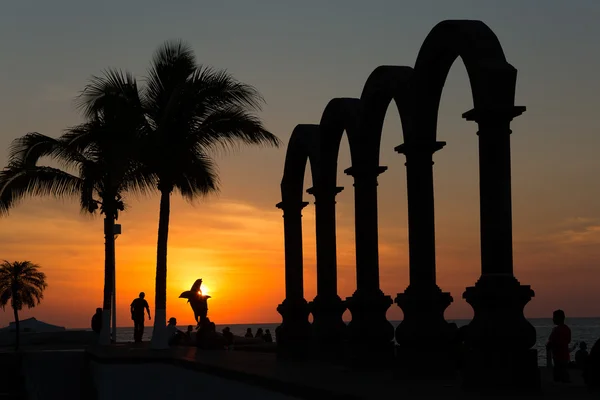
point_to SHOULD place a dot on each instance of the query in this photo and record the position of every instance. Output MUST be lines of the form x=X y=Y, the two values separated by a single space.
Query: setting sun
x=205 y=290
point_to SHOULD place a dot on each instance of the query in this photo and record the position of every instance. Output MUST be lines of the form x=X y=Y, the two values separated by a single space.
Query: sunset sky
x=300 y=55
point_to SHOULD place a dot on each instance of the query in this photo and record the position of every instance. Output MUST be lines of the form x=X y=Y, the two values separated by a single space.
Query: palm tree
x=21 y=283
x=103 y=150
x=191 y=110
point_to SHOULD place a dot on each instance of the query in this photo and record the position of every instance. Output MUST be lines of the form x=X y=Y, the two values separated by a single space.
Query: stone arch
x=492 y=78
x=497 y=298
x=302 y=147
x=340 y=116
x=385 y=83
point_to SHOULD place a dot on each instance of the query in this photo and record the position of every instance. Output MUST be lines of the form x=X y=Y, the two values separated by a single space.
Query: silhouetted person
x=188 y=334
x=267 y=337
x=175 y=335
x=581 y=356
x=259 y=333
x=227 y=338
x=137 y=315
x=97 y=321
x=558 y=343
x=591 y=373
x=249 y=333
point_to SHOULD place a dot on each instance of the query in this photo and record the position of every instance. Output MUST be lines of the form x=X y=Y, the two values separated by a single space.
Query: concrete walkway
x=314 y=380
x=54 y=374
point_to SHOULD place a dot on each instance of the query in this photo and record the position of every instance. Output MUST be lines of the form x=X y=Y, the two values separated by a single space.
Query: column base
x=369 y=334
x=294 y=334
x=499 y=338
x=328 y=327
x=501 y=372
x=426 y=341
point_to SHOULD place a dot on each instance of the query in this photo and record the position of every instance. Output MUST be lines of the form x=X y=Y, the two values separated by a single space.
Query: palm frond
x=229 y=126
x=172 y=65
x=197 y=177
x=18 y=181
x=107 y=94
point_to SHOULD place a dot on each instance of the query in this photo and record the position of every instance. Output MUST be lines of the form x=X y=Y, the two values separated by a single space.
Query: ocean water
x=582 y=329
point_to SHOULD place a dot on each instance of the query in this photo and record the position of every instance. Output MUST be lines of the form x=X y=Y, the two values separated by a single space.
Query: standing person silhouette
x=558 y=344
x=137 y=315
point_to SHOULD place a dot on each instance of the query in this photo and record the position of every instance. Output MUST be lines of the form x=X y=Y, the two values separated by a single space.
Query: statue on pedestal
x=198 y=302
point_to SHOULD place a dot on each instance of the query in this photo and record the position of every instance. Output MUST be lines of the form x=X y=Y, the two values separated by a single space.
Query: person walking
x=137 y=315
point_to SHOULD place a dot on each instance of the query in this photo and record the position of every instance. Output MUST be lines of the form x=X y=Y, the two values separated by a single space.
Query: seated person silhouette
x=249 y=333
x=175 y=335
x=259 y=333
x=97 y=321
x=188 y=334
x=267 y=336
x=228 y=338
x=591 y=373
x=581 y=356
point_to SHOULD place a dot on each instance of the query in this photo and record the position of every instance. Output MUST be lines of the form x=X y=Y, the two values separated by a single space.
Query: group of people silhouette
x=266 y=335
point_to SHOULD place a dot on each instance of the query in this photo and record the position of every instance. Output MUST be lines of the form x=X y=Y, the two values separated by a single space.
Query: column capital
x=419 y=148
x=361 y=171
x=291 y=205
x=487 y=114
x=316 y=191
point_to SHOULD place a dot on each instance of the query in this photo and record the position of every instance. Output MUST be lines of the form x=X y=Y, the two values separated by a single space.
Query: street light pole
x=117 y=232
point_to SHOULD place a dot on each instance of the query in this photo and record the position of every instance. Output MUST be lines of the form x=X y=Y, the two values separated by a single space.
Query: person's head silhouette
x=583 y=346
x=142 y=295
x=558 y=317
x=98 y=310
x=190 y=328
x=172 y=321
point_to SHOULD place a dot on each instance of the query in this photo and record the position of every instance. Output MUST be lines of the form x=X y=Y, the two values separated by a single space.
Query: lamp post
x=117 y=232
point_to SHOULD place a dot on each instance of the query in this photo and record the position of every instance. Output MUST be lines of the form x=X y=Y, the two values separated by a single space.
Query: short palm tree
x=103 y=152
x=23 y=284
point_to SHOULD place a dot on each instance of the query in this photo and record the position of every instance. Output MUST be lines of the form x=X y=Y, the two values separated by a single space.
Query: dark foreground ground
x=312 y=379
x=62 y=369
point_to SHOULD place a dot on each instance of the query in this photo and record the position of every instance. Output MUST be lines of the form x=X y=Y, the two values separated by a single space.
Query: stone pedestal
x=328 y=327
x=294 y=333
x=425 y=339
x=499 y=337
x=369 y=334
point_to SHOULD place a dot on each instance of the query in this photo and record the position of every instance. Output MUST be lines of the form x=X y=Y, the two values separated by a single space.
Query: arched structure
x=369 y=332
x=497 y=299
x=293 y=335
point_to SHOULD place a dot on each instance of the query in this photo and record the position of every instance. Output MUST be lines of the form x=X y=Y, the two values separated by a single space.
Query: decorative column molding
x=293 y=335
x=327 y=308
x=498 y=299
x=423 y=327
x=370 y=334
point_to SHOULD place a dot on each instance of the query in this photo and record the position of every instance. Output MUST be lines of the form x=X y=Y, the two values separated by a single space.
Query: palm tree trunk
x=18 y=331
x=109 y=261
x=159 y=335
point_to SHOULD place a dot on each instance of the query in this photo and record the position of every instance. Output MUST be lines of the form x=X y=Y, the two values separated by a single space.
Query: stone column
x=423 y=327
x=499 y=335
x=327 y=308
x=293 y=335
x=370 y=334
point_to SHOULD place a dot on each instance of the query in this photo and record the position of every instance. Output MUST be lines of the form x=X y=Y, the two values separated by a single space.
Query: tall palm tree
x=191 y=110
x=21 y=283
x=103 y=151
